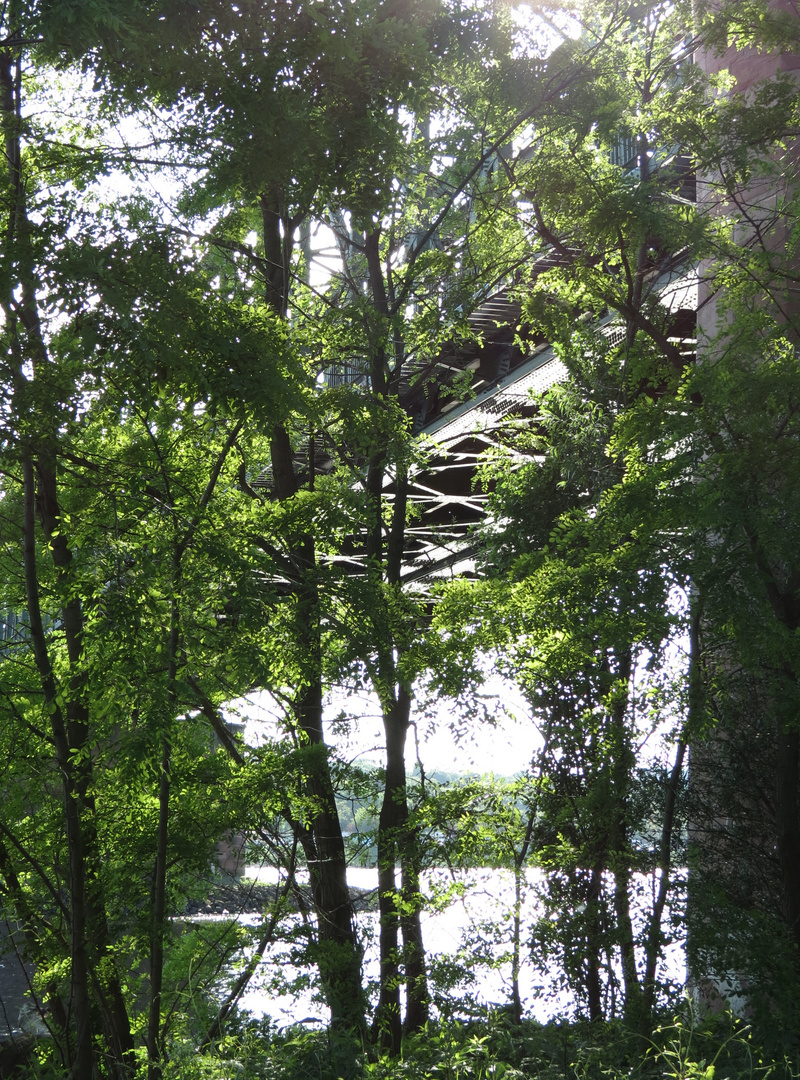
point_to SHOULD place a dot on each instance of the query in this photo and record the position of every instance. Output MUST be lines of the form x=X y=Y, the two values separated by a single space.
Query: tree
x=280 y=165
x=184 y=377
x=207 y=460
x=488 y=822
x=130 y=391
x=608 y=203
x=402 y=231
x=586 y=614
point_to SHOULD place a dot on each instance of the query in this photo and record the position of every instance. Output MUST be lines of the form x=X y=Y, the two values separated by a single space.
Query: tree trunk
x=623 y=760
x=516 y=947
x=594 y=990
x=396 y=842
x=519 y=875
x=89 y=893
x=338 y=951
x=159 y=912
x=89 y=936
x=154 y=1047
x=277 y=253
x=654 y=934
x=630 y=978
x=393 y=817
x=80 y=997
x=417 y=998
x=787 y=818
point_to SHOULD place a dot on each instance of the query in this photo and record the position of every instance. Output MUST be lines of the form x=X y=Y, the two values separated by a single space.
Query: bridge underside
x=509 y=367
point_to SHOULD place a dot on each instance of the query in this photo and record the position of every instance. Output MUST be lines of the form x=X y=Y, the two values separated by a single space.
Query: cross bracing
x=450 y=503
x=510 y=368
x=446 y=492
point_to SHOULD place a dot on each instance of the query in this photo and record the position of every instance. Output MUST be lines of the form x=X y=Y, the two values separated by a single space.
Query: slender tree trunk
x=338 y=953
x=338 y=949
x=278 y=242
x=519 y=874
x=623 y=760
x=417 y=996
x=80 y=998
x=339 y=957
x=594 y=989
x=392 y=821
x=787 y=818
x=75 y=718
x=516 y=943
x=630 y=977
x=416 y=976
x=90 y=944
x=266 y=937
x=397 y=843
x=155 y=1049
x=654 y=933
x=106 y=987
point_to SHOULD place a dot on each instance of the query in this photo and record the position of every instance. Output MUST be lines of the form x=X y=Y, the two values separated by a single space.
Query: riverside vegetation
x=204 y=494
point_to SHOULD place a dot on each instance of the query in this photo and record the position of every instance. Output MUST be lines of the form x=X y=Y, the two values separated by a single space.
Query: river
x=469 y=937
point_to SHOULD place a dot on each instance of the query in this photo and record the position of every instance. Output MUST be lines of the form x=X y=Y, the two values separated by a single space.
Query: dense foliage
x=207 y=449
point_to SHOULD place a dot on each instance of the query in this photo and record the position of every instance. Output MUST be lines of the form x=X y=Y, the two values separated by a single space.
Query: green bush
x=686 y=1047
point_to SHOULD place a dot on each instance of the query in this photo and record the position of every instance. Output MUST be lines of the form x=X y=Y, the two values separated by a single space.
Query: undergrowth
x=681 y=1048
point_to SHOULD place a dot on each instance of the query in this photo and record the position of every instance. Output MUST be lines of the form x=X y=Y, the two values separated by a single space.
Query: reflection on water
x=466 y=929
